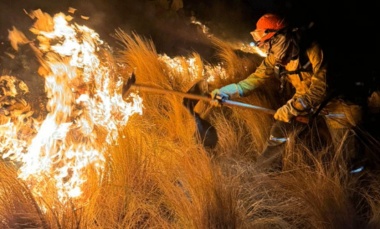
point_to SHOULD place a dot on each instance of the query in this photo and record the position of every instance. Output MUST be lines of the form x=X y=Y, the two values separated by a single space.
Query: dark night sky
x=349 y=27
x=106 y=15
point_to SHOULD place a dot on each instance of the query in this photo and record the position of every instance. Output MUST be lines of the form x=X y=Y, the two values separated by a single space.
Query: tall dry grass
x=159 y=175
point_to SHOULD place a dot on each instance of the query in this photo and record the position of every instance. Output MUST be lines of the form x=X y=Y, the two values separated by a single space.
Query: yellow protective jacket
x=310 y=86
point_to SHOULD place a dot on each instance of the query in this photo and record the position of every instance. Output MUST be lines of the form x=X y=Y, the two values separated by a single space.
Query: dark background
x=353 y=22
x=348 y=29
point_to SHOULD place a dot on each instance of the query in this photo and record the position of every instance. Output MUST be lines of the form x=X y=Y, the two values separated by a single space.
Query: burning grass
x=157 y=173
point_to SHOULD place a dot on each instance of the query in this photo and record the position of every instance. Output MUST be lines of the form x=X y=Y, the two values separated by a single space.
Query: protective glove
x=229 y=91
x=287 y=112
x=300 y=105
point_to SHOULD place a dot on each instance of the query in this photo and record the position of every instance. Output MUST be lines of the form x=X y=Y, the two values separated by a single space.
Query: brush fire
x=85 y=154
x=85 y=108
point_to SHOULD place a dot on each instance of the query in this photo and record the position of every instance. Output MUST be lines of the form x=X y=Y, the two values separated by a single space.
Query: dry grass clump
x=18 y=208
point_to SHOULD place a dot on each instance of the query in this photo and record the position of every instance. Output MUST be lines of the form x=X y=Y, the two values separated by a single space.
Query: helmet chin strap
x=295 y=50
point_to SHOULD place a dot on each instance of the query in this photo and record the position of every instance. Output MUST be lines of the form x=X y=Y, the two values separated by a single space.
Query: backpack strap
x=283 y=73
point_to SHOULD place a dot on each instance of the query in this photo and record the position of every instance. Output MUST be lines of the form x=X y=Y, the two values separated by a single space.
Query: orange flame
x=84 y=101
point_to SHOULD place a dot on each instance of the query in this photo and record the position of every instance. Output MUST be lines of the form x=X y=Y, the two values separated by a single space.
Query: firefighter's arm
x=300 y=105
x=263 y=72
x=245 y=86
x=317 y=90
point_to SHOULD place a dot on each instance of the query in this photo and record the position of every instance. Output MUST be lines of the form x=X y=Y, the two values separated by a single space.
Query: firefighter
x=303 y=65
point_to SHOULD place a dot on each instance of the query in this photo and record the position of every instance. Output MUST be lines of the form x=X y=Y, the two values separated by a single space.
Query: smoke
x=170 y=28
x=173 y=33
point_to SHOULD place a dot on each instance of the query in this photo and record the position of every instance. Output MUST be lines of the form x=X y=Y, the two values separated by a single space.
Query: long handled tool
x=130 y=84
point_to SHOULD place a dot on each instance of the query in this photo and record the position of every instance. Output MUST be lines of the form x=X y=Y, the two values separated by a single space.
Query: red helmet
x=267 y=26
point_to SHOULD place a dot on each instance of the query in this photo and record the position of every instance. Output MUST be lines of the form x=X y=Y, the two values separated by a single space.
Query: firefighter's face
x=281 y=48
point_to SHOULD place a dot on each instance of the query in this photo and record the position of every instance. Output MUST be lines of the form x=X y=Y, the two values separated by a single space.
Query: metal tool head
x=128 y=84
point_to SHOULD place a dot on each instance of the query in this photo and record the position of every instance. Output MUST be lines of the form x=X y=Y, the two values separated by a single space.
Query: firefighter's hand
x=218 y=97
x=229 y=91
x=284 y=114
x=287 y=112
